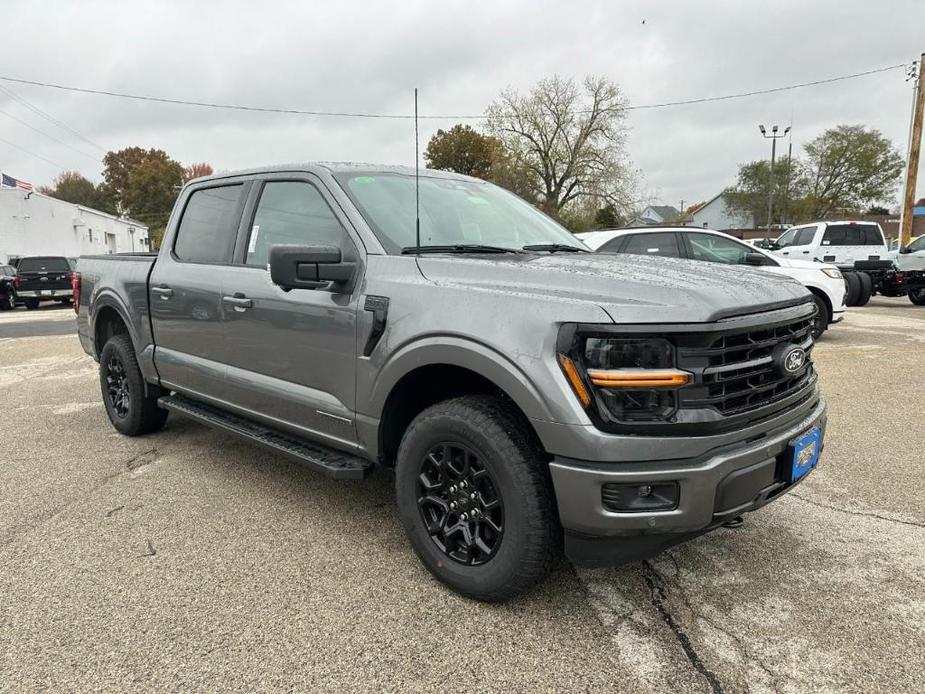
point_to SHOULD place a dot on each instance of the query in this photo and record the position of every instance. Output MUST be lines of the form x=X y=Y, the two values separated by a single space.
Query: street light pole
x=774 y=137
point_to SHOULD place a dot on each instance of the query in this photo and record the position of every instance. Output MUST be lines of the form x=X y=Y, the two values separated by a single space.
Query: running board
x=333 y=463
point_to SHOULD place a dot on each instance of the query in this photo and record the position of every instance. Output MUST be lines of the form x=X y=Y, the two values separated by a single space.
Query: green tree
x=568 y=139
x=749 y=196
x=877 y=210
x=848 y=168
x=71 y=186
x=607 y=217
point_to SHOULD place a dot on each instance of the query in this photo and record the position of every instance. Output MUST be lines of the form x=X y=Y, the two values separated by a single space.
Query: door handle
x=164 y=291
x=238 y=300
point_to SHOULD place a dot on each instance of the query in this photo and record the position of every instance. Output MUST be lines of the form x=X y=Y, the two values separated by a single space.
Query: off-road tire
x=867 y=286
x=917 y=296
x=853 y=285
x=821 y=323
x=8 y=303
x=531 y=543
x=31 y=304
x=142 y=415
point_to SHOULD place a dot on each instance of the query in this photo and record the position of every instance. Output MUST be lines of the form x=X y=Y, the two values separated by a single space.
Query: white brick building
x=35 y=224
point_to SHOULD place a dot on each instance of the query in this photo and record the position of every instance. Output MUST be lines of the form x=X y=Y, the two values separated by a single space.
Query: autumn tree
x=464 y=150
x=848 y=168
x=196 y=171
x=568 y=139
x=71 y=186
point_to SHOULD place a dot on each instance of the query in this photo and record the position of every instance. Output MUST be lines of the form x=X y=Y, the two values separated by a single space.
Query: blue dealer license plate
x=805 y=453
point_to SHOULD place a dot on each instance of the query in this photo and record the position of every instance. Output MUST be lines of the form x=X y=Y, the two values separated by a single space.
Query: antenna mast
x=417 y=180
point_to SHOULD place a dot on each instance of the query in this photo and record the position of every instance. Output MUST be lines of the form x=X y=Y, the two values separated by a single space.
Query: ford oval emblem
x=794 y=360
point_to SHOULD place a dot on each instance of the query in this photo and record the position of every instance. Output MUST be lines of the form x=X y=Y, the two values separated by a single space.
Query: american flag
x=10 y=182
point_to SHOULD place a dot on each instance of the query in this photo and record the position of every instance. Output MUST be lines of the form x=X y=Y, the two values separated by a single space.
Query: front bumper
x=45 y=293
x=713 y=489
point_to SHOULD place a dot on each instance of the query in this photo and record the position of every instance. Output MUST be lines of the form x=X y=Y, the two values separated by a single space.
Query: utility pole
x=915 y=144
x=774 y=137
x=681 y=216
x=786 y=211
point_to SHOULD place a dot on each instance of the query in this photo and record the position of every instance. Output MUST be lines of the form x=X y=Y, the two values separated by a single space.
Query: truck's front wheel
x=475 y=498
x=917 y=296
x=130 y=410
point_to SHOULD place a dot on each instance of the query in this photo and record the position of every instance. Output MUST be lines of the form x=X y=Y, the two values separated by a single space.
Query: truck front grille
x=737 y=370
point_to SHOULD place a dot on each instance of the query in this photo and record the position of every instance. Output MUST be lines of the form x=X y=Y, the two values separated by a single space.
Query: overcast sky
x=339 y=56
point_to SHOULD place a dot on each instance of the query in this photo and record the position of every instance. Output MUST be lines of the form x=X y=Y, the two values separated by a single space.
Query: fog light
x=638 y=497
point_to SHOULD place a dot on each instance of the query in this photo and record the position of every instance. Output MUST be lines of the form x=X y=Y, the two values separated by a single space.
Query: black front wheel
x=917 y=296
x=475 y=498
x=821 y=321
x=131 y=410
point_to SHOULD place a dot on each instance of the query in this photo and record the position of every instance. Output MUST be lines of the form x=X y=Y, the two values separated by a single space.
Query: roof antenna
x=417 y=180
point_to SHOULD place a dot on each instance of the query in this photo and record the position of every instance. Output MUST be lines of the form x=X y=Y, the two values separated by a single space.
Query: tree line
x=138 y=183
x=561 y=145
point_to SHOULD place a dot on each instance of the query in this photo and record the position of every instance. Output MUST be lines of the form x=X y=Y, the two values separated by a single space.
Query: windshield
x=917 y=245
x=453 y=212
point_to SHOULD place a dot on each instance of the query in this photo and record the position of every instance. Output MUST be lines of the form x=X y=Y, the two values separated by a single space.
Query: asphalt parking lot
x=187 y=560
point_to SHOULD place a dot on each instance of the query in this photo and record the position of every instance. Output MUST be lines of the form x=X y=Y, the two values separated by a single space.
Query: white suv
x=824 y=281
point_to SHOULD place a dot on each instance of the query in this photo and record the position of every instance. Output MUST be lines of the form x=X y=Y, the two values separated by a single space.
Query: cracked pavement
x=189 y=560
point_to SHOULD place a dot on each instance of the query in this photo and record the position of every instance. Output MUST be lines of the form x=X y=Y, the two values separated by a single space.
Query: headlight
x=628 y=380
x=832 y=272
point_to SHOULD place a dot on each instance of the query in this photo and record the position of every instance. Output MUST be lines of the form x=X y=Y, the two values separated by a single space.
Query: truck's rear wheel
x=131 y=411
x=917 y=296
x=853 y=285
x=867 y=287
x=475 y=498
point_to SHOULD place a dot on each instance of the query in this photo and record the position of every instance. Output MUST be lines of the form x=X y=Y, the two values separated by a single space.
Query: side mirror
x=904 y=249
x=308 y=267
x=756 y=259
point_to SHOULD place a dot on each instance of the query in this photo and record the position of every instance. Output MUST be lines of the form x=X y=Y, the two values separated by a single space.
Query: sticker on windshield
x=364 y=179
x=476 y=200
x=252 y=246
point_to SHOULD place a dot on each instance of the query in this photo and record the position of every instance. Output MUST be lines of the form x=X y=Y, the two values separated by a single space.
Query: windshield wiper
x=457 y=248
x=554 y=248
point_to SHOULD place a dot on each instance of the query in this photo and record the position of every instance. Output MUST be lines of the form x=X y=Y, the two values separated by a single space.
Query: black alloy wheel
x=460 y=504
x=117 y=389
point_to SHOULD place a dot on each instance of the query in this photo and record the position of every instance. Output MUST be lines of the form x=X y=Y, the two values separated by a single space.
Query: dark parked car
x=43 y=278
x=7 y=287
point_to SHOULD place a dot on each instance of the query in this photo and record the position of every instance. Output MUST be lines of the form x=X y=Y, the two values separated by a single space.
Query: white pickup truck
x=824 y=281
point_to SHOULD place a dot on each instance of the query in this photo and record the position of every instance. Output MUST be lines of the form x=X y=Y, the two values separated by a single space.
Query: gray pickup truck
x=530 y=396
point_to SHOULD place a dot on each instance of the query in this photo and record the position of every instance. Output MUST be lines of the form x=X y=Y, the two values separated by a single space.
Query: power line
x=33 y=154
x=47 y=116
x=354 y=114
x=50 y=137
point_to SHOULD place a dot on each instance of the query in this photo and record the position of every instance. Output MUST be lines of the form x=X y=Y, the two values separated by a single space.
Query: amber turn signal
x=574 y=379
x=638 y=378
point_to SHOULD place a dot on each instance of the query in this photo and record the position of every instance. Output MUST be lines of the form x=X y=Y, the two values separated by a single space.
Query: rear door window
x=664 y=244
x=209 y=225
x=612 y=246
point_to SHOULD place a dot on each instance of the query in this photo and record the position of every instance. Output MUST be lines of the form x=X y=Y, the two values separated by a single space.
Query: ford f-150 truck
x=532 y=397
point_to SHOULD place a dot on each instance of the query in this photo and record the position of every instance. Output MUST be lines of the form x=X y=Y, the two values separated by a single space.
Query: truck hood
x=630 y=288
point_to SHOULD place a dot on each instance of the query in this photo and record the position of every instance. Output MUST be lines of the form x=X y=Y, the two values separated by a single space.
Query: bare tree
x=569 y=140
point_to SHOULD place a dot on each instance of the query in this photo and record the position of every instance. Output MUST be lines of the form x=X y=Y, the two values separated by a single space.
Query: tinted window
x=291 y=212
x=611 y=246
x=44 y=265
x=209 y=225
x=717 y=249
x=852 y=235
x=804 y=236
x=787 y=238
x=653 y=244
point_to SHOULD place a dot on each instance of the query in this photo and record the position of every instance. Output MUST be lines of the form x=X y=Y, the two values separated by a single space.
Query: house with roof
x=656 y=215
x=715 y=214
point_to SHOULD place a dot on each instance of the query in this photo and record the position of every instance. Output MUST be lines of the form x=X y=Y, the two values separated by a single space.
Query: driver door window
x=291 y=212
x=664 y=244
x=716 y=249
